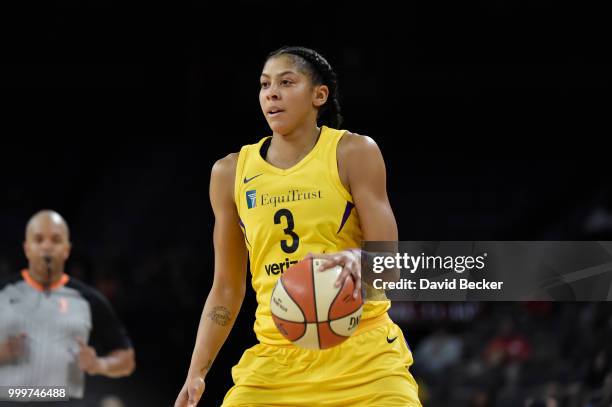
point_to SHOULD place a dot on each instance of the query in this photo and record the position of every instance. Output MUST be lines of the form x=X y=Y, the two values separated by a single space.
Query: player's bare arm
x=229 y=284
x=362 y=171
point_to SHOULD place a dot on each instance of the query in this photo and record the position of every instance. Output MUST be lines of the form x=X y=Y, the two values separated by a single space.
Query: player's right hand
x=191 y=392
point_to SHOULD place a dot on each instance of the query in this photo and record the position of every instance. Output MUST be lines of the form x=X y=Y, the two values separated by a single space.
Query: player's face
x=46 y=238
x=287 y=96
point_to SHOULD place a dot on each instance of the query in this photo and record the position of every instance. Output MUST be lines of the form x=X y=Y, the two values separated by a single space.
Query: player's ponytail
x=321 y=73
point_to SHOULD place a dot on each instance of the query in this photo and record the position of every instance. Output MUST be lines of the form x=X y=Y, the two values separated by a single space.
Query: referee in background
x=54 y=328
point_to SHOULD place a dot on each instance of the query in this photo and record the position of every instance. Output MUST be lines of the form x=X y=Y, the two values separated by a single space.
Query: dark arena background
x=492 y=116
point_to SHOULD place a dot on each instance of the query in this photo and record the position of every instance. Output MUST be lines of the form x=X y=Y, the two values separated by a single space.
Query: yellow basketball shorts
x=368 y=369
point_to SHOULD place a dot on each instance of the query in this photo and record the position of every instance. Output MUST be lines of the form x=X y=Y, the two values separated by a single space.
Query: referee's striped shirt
x=52 y=321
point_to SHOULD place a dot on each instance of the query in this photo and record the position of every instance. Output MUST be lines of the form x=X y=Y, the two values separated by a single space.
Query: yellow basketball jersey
x=285 y=214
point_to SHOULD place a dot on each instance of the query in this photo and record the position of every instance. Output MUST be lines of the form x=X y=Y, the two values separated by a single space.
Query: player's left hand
x=89 y=362
x=349 y=260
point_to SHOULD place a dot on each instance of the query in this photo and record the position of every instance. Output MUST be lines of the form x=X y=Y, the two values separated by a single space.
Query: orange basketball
x=310 y=311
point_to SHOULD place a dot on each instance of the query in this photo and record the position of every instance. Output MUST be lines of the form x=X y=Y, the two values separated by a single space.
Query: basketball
x=310 y=311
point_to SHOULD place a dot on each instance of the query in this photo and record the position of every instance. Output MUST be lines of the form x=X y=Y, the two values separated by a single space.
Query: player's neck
x=288 y=149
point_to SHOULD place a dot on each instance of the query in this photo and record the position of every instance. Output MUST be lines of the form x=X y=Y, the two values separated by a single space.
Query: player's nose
x=272 y=93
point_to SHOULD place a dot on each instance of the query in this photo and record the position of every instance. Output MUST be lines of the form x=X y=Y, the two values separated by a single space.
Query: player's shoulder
x=225 y=168
x=358 y=145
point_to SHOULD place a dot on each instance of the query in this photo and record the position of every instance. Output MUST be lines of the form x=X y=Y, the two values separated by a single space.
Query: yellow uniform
x=285 y=214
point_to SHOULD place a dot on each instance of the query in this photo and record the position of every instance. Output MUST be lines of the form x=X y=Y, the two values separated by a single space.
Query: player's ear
x=320 y=95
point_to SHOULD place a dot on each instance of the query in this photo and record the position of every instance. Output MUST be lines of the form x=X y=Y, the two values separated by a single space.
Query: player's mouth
x=273 y=112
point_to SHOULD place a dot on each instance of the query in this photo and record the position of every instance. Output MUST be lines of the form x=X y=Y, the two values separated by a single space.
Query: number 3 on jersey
x=295 y=239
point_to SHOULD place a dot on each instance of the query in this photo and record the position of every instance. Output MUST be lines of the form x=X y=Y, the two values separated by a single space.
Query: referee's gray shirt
x=52 y=321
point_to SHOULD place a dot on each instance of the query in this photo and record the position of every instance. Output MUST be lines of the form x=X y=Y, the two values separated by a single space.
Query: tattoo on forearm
x=207 y=367
x=220 y=315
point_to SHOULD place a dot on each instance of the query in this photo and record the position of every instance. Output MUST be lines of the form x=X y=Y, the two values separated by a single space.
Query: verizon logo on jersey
x=277 y=268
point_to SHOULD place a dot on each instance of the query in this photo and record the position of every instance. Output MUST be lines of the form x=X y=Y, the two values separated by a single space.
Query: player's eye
x=286 y=82
x=264 y=84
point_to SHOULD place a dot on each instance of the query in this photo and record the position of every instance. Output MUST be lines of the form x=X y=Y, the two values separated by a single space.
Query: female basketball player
x=306 y=189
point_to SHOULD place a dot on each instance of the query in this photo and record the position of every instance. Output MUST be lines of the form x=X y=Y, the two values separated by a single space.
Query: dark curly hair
x=321 y=73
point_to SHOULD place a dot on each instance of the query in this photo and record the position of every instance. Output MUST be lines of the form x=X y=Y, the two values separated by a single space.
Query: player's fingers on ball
x=349 y=268
x=357 y=288
x=345 y=272
x=330 y=257
x=352 y=266
x=342 y=277
x=329 y=263
x=341 y=259
x=357 y=270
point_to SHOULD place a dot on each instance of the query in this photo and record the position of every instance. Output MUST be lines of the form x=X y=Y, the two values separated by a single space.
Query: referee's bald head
x=47 y=215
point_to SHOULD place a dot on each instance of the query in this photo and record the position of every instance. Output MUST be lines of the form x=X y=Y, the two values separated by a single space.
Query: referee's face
x=47 y=247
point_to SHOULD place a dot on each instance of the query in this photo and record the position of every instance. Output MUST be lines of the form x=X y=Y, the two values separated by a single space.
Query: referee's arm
x=117 y=363
x=109 y=351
